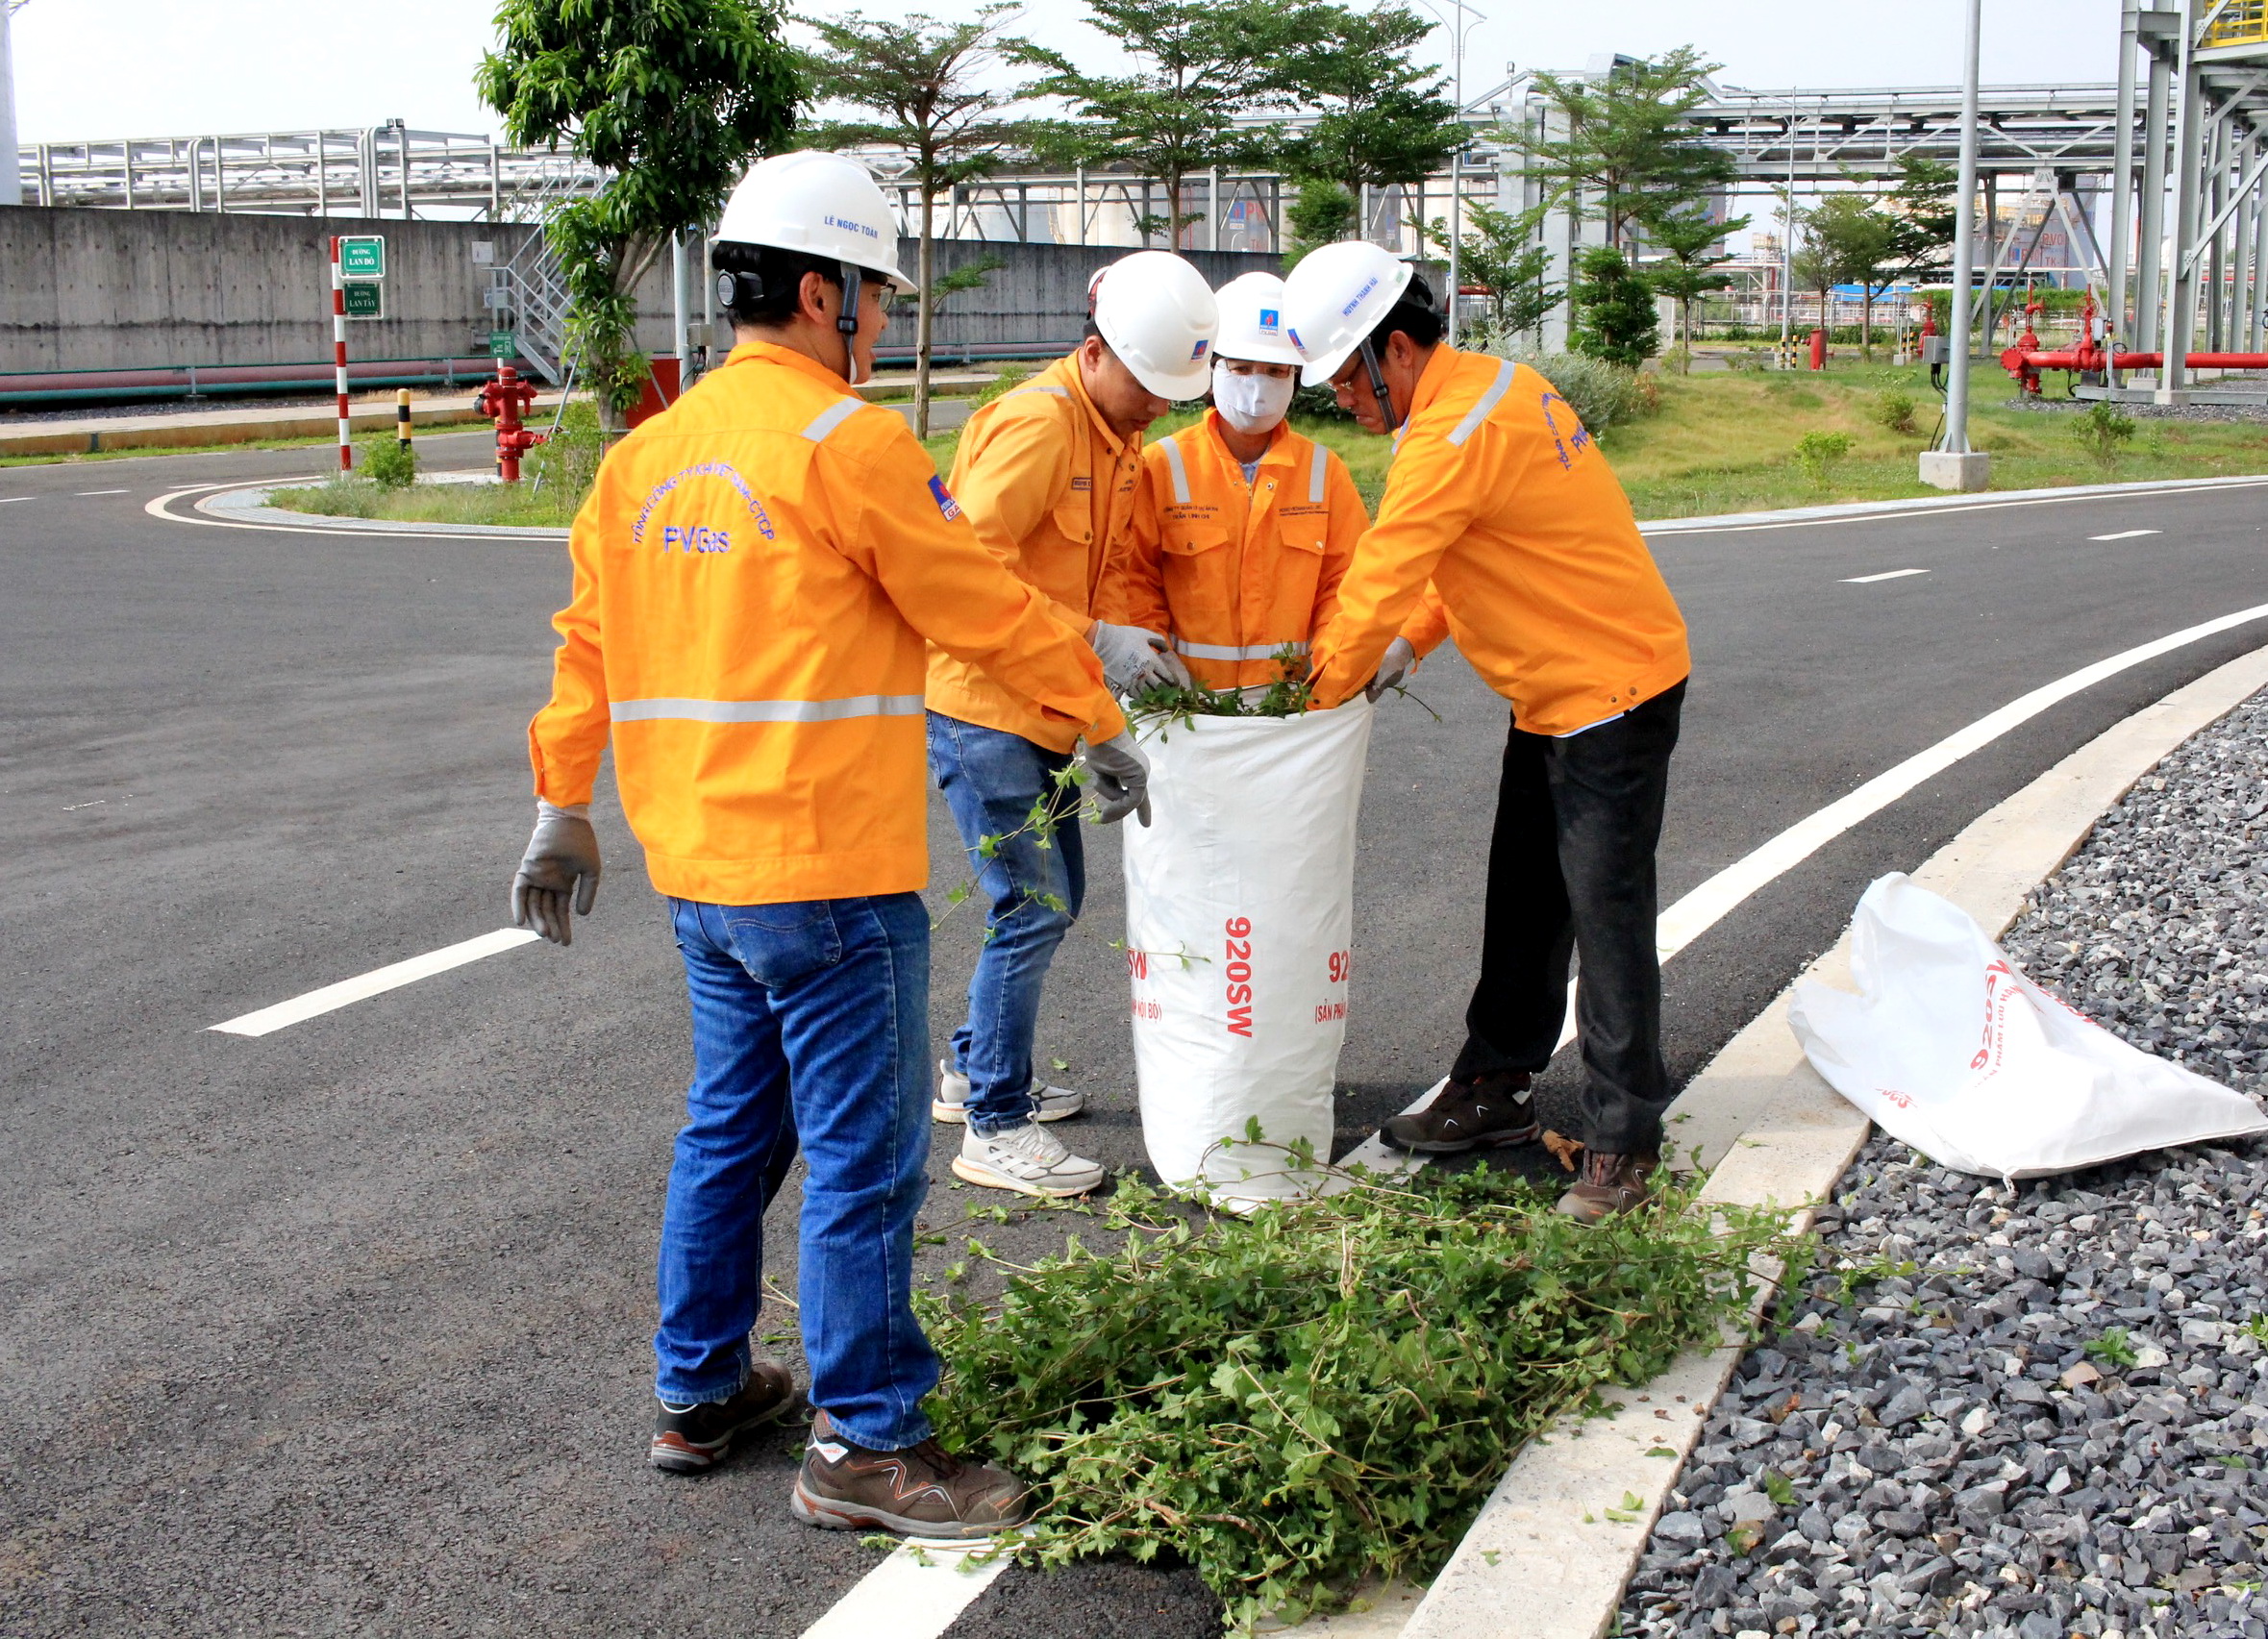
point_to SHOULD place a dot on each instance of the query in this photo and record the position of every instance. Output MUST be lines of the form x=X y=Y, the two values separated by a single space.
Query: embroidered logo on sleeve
x=1575 y=442
x=944 y=499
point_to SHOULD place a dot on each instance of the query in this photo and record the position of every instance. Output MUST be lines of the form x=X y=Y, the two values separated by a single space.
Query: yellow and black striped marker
x=402 y=416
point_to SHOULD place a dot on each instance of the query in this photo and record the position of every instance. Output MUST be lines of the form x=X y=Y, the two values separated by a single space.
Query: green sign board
x=503 y=344
x=362 y=257
x=363 y=302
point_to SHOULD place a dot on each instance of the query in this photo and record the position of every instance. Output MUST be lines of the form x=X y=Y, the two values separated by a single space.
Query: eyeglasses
x=885 y=294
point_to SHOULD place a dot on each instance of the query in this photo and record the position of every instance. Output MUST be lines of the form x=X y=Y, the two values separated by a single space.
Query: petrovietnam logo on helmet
x=850 y=227
x=1270 y=321
x=700 y=537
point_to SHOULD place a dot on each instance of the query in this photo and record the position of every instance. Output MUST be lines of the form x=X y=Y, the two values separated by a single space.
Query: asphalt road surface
x=344 y=1329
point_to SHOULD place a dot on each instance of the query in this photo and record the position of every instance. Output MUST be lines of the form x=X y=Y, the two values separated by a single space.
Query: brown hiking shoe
x=921 y=1491
x=689 y=1439
x=1610 y=1183
x=1489 y=1108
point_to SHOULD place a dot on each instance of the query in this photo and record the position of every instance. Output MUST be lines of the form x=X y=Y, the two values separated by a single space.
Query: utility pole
x=11 y=171
x=1457 y=29
x=1952 y=465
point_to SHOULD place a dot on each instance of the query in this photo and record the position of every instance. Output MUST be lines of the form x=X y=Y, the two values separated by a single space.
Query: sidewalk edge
x=1543 y=1559
x=1845 y=512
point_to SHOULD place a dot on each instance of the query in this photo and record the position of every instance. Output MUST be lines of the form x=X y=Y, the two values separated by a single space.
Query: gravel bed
x=2056 y=403
x=2037 y=1410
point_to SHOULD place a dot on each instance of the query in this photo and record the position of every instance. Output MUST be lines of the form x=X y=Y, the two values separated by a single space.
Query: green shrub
x=388 y=462
x=1601 y=393
x=1614 y=314
x=2103 y=430
x=1895 y=410
x=1818 y=452
x=568 y=462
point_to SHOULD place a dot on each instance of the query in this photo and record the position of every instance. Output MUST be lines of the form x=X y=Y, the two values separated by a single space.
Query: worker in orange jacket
x=1500 y=501
x=1241 y=527
x=756 y=573
x=1047 y=473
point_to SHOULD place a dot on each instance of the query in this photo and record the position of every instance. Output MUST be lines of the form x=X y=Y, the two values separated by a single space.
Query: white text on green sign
x=362 y=257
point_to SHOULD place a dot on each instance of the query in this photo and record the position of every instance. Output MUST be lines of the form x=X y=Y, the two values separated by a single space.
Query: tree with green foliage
x=1320 y=213
x=1502 y=255
x=1685 y=274
x=918 y=82
x=1850 y=244
x=1628 y=153
x=1197 y=65
x=1614 y=313
x=1380 y=115
x=670 y=97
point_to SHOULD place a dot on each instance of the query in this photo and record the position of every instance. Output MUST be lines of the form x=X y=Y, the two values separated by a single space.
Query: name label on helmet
x=944 y=499
x=849 y=226
x=1359 y=295
x=698 y=537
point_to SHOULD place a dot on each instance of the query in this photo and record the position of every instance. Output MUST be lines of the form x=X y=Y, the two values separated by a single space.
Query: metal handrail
x=2242 y=22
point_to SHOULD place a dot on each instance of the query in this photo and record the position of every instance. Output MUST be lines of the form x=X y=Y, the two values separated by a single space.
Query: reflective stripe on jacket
x=1499 y=495
x=1049 y=488
x=1232 y=573
x=755 y=572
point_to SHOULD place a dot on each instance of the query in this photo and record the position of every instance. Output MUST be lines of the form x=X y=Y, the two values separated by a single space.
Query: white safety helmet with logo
x=1252 y=321
x=823 y=205
x=1159 y=315
x=1332 y=300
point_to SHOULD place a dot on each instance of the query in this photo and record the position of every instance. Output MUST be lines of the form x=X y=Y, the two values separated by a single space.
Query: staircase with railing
x=535 y=284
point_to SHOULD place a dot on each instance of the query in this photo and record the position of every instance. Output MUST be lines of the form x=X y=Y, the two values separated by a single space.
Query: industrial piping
x=2097 y=353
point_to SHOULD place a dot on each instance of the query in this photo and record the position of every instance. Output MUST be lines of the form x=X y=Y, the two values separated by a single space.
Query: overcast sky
x=107 y=68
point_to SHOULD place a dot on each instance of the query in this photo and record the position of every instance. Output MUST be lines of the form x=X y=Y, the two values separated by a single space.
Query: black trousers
x=1571 y=869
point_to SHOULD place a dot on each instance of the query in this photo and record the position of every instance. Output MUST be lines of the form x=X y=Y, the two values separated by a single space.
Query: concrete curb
x=1544 y=1560
x=249 y=507
x=138 y=432
x=1843 y=511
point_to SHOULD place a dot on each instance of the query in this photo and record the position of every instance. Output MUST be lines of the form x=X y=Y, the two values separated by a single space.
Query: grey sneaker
x=952 y=1101
x=1027 y=1160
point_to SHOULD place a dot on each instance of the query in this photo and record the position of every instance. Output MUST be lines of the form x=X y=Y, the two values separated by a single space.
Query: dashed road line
x=1886 y=575
x=376 y=982
x=2125 y=534
x=86 y=493
x=5 y=500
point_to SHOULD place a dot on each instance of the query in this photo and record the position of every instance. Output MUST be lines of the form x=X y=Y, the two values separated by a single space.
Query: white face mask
x=1250 y=403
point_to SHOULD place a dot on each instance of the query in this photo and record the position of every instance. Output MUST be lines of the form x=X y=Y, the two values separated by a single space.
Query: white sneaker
x=1027 y=1160
x=952 y=1101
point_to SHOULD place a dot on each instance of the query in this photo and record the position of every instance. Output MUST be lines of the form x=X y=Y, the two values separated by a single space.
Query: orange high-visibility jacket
x=1499 y=496
x=1232 y=573
x=756 y=571
x=1050 y=489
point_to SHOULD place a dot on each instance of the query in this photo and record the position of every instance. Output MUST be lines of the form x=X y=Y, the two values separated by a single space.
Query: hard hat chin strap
x=847 y=321
x=1378 y=383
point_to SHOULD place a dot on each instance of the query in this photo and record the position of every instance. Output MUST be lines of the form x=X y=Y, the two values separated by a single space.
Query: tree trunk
x=1173 y=211
x=1866 y=322
x=923 y=315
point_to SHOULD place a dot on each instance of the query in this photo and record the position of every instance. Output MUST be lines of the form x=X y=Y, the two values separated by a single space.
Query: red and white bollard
x=505 y=401
x=346 y=441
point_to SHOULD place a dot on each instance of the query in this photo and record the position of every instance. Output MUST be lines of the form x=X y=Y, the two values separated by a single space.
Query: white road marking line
x=1886 y=575
x=1713 y=899
x=2125 y=534
x=375 y=982
x=6 y=499
x=85 y=492
x=906 y=1598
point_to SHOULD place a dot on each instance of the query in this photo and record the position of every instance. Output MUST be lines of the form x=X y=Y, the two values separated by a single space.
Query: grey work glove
x=1135 y=658
x=1121 y=779
x=561 y=863
x=1400 y=656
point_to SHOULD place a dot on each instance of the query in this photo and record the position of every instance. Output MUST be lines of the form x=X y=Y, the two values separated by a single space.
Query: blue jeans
x=1033 y=887
x=810 y=1023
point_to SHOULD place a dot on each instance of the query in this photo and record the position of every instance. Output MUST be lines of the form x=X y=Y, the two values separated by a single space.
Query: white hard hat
x=1159 y=315
x=824 y=205
x=1334 y=299
x=1252 y=321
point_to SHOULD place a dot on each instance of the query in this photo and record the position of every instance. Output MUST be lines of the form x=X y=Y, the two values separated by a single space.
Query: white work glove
x=1400 y=656
x=1121 y=778
x=561 y=864
x=1135 y=658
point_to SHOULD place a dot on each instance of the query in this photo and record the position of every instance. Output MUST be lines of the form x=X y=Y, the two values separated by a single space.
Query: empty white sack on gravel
x=2036 y=1410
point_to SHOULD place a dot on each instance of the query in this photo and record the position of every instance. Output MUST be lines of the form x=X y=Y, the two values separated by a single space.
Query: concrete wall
x=84 y=290
x=88 y=290
x=1040 y=297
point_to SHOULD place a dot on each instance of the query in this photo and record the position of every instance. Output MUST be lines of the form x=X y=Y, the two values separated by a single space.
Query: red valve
x=505 y=401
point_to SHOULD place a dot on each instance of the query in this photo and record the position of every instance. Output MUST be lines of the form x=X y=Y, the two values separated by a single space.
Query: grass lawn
x=1724 y=441
x=519 y=505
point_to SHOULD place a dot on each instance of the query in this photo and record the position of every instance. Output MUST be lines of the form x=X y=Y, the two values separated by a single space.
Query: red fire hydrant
x=505 y=401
